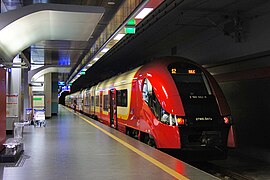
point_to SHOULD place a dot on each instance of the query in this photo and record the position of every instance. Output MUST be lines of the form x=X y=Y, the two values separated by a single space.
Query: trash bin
x=18 y=130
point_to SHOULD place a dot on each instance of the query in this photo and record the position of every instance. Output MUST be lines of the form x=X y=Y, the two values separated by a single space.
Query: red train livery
x=171 y=103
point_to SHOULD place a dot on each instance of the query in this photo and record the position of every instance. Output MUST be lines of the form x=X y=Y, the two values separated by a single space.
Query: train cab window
x=189 y=79
x=152 y=101
x=105 y=102
x=97 y=100
x=150 y=98
x=147 y=90
x=191 y=85
x=121 y=98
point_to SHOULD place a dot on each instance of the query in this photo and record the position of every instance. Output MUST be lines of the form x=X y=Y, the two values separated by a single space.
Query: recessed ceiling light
x=111 y=3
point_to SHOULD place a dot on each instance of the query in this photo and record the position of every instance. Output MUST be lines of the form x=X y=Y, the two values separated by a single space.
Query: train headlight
x=171 y=119
x=180 y=121
x=227 y=119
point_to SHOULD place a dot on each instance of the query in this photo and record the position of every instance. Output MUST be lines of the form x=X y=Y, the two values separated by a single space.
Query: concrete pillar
x=26 y=99
x=54 y=94
x=48 y=94
x=15 y=95
x=2 y=107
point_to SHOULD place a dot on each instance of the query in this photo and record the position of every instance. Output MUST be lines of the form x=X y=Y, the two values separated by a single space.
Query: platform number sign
x=173 y=70
x=191 y=71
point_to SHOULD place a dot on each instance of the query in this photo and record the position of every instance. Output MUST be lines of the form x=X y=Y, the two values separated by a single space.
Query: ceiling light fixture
x=111 y=3
x=105 y=50
x=118 y=37
x=143 y=13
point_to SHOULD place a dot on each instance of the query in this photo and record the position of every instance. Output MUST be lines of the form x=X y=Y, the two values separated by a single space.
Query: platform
x=73 y=146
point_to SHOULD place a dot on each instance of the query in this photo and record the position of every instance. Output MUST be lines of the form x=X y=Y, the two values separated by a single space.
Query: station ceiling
x=56 y=52
x=171 y=29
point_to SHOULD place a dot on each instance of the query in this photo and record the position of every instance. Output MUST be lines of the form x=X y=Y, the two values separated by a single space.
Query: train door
x=113 y=109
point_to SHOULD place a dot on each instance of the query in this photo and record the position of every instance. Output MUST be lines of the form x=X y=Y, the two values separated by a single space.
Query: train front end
x=199 y=111
x=206 y=128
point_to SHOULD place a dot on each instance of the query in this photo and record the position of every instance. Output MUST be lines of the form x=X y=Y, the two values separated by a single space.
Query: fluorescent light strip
x=105 y=50
x=144 y=13
x=142 y=4
x=111 y=3
x=118 y=37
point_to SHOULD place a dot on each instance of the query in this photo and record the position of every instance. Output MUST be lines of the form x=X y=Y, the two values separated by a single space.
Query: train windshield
x=189 y=79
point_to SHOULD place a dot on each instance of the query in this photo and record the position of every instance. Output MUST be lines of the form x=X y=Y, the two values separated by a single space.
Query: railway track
x=221 y=172
x=237 y=166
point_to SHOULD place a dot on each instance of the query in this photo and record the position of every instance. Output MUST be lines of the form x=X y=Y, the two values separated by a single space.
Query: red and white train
x=171 y=103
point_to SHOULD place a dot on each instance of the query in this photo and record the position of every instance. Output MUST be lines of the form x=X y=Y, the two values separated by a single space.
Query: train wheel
x=127 y=132
x=132 y=133
x=149 y=140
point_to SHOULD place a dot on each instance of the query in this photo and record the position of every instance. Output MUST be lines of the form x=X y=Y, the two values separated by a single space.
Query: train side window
x=86 y=99
x=124 y=97
x=97 y=100
x=118 y=98
x=121 y=98
x=100 y=101
x=105 y=102
x=92 y=101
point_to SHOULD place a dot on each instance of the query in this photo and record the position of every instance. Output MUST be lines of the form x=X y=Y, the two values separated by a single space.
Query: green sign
x=130 y=30
x=37 y=99
x=131 y=22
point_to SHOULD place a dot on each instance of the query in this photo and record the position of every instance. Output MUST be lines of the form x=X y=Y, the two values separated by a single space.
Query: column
x=15 y=95
x=54 y=94
x=48 y=94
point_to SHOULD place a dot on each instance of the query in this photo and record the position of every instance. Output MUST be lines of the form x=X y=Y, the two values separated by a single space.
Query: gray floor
x=70 y=148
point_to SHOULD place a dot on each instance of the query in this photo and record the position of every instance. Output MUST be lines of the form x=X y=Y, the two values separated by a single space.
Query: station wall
x=3 y=107
x=249 y=102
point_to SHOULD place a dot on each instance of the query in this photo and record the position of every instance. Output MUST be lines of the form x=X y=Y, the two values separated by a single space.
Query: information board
x=39 y=115
x=38 y=102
